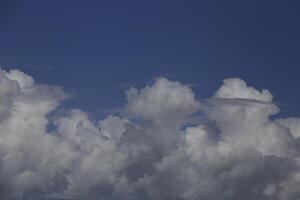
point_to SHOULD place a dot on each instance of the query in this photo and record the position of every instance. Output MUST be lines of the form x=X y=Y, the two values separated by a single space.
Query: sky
x=103 y=47
x=164 y=100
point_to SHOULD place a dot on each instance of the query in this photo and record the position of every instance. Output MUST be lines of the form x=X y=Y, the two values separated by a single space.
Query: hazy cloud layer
x=164 y=145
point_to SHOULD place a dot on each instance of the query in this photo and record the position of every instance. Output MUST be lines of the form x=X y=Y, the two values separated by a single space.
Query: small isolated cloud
x=149 y=151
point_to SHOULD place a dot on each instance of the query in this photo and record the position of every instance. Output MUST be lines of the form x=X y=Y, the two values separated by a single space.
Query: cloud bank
x=163 y=145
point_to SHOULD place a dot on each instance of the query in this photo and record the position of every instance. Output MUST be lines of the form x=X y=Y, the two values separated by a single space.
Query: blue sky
x=96 y=49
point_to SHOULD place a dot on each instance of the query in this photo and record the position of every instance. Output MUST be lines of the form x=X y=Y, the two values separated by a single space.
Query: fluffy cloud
x=155 y=149
x=163 y=100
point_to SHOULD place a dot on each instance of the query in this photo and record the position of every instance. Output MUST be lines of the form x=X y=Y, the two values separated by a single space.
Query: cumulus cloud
x=155 y=148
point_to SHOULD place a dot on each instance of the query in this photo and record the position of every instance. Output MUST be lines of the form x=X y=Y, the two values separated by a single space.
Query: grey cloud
x=155 y=149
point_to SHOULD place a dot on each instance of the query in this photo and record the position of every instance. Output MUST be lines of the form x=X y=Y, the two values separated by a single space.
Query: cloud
x=237 y=88
x=164 y=98
x=154 y=148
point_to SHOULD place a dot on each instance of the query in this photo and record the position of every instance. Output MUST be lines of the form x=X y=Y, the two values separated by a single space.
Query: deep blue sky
x=95 y=49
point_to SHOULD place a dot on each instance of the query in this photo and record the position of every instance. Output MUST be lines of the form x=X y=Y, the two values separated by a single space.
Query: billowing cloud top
x=155 y=149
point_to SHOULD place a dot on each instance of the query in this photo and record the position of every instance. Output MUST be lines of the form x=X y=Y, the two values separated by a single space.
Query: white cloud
x=237 y=88
x=293 y=124
x=149 y=152
x=163 y=98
